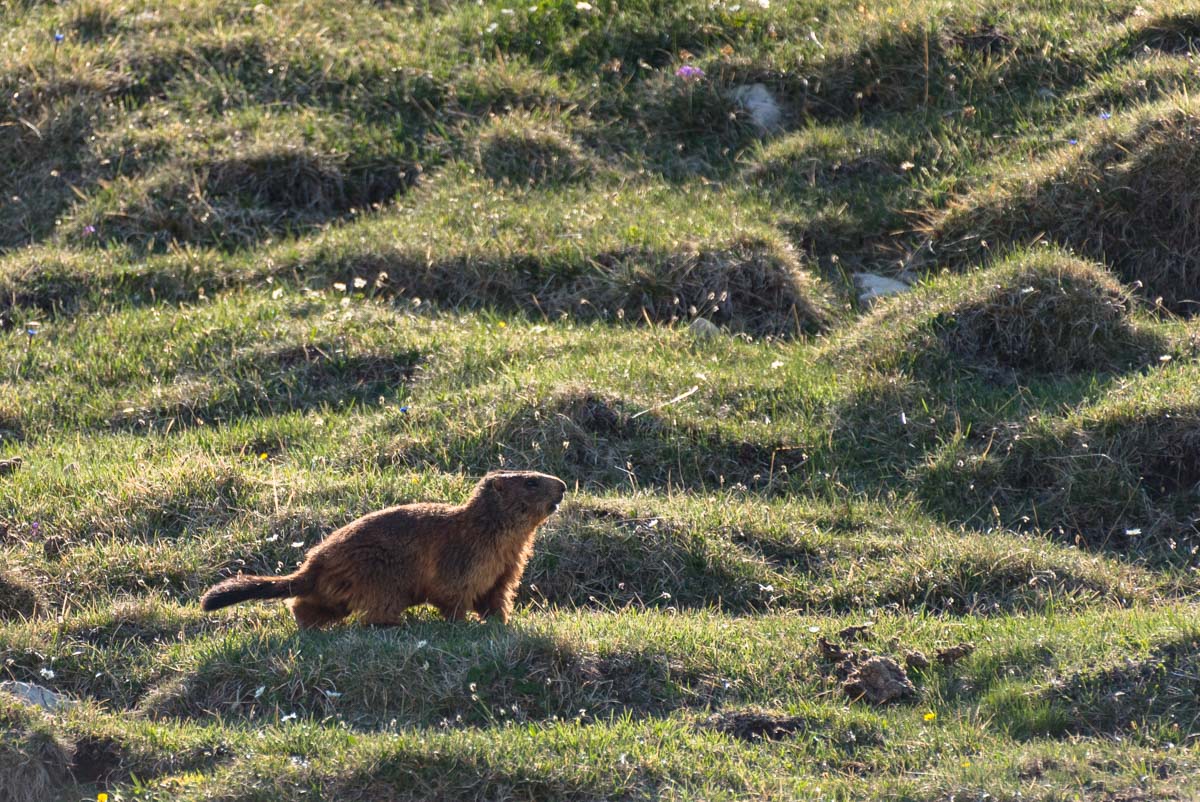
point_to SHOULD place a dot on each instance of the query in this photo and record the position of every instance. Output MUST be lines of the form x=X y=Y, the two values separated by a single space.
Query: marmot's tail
x=242 y=587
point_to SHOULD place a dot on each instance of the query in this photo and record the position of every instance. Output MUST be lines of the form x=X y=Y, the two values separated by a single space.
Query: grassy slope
x=293 y=262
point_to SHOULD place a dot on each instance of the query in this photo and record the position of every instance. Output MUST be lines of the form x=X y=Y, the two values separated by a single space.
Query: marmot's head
x=523 y=495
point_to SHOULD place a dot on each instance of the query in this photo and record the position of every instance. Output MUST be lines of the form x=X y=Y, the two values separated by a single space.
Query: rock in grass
x=758 y=102
x=36 y=695
x=8 y=466
x=872 y=286
x=704 y=329
x=879 y=680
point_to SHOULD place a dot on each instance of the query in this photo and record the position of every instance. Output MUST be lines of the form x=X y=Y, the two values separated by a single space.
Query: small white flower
x=258 y=692
x=583 y=6
x=47 y=673
x=421 y=644
x=492 y=28
x=776 y=365
x=339 y=286
x=288 y=717
x=359 y=283
x=299 y=544
x=277 y=293
x=764 y=3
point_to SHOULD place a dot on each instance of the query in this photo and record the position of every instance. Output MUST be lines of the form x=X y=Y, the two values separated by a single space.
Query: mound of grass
x=18 y=597
x=1040 y=311
x=1120 y=473
x=1154 y=696
x=34 y=760
x=1125 y=195
x=520 y=150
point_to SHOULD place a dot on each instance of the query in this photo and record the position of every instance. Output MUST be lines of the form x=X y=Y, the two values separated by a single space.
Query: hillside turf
x=265 y=267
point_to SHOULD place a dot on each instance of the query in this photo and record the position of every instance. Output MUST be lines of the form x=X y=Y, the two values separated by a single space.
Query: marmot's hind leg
x=312 y=612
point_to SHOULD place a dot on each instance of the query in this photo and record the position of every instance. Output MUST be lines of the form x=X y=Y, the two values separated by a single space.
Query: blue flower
x=32 y=328
x=1105 y=115
x=58 y=37
x=1073 y=141
x=404 y=409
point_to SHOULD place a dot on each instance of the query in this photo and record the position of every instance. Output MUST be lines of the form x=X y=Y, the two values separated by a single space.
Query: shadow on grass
x=422 y=674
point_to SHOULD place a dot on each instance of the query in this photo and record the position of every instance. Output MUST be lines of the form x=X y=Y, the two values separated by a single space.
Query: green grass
x=293 y=262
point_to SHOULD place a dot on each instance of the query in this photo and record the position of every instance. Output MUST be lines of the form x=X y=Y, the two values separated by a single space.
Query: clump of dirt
x=754 y=725
x=951 y=655
x=879 y=680
x=916 y=661
x=10 y=466
x=856 y=632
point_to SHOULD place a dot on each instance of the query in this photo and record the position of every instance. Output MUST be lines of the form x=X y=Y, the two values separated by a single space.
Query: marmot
x=458 y=558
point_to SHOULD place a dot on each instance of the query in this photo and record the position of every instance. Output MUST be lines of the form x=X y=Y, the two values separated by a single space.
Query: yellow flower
x=966 y=764
x=262 y=455
x=501 y=324
x=101 y=797
x=931 y=716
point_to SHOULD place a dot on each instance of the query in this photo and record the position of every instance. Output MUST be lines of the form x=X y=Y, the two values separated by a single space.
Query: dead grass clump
x=18 y=597
x=597 y=432
x=747 y=286
x=758 y=725
x=1128 y=197
x=34 y=762
x=520 y=150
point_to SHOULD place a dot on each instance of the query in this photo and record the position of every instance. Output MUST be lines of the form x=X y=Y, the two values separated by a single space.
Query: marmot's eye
x=531 y=482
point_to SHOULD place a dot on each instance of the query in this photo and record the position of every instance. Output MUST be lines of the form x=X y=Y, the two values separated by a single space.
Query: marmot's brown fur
x=458 y=558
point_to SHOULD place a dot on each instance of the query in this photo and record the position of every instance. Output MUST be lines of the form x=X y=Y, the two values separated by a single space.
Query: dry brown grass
x=1128 y=196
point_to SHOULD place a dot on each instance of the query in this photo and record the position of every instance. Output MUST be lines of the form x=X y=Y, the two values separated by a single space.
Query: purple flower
x=1073 y=141
x=89 y=230
x=1105 y=115
x=58 y=37
x=689 y=73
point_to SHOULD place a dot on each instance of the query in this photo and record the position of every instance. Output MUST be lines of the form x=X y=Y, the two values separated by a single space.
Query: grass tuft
x=1040 y=311
x=34 y=760
x=18 y=597
x=520 y=150
x=1125 y=195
